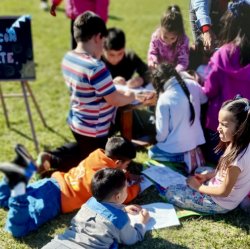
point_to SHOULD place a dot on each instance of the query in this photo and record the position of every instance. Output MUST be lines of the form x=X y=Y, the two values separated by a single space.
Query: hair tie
x=247 y=107
x=234 y=7
x=173 y=9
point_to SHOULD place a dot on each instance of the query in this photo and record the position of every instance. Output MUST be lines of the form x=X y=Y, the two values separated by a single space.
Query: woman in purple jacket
x=229 y=67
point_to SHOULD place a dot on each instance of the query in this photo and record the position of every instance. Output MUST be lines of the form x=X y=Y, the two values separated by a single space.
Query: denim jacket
x=202 y=10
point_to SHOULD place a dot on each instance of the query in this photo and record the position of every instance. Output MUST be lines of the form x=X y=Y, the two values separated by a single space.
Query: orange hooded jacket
x=75 y=184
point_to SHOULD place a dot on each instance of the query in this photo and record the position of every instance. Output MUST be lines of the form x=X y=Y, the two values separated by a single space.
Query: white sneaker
x=44 y=5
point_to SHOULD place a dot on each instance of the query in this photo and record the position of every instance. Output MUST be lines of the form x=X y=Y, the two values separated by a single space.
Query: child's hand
x=152 y=64
x=135 y=82
x=144 y=216
x=151 y=99
x=133 y=209
x=141 y=97
x=208 y=40
x=146 y=98
x=53 y=10
x=201 y=177
x=193 y=182
x=119 y=81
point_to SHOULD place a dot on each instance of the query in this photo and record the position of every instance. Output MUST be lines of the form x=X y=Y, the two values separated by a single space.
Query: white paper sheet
x=145 y=183
x=147 y=89
x=161 y=215
x=163 y=175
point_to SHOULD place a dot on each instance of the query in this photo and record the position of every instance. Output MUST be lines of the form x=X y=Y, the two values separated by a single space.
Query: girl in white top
x=222 y=190
x=177 y=116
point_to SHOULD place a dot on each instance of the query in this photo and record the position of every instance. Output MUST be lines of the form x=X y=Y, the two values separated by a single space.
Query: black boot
x=14 y=174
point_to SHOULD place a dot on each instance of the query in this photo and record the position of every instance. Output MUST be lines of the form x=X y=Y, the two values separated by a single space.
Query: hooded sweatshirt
x=75 y=184
x=226 y=79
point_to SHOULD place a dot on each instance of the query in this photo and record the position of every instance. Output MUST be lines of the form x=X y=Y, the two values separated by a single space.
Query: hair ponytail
x=187 y=93
x=235 y=28
x=172 y=20
x=174 y=9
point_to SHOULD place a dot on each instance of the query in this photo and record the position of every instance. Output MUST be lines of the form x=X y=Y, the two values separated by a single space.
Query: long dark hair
x=235 y=23
x=240 y=109
x=172 y=20
x=162 y=74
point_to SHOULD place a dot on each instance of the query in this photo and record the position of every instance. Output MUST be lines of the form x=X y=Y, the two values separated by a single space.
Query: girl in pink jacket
x=169 y=43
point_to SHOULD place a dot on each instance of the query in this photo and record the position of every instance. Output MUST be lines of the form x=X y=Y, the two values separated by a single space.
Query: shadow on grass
x=116 y=18
x=44 y=146
x=237 y=218
x=45 y=233
x=154 y=243
x=21 y=133
x=58 y=134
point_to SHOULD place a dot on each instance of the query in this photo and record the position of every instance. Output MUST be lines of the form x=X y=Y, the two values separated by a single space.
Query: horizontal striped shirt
x=88 y=81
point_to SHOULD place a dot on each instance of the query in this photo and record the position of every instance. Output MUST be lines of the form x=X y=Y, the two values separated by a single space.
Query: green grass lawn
x=138 y=18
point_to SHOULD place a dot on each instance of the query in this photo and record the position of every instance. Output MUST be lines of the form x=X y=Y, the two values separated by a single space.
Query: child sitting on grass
x=121 y=63
x=224 y=189
x=103 y=221
x=177 y=118
x=33 y=205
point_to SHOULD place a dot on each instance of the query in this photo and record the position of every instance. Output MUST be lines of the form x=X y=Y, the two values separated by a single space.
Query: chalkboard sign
x=16 y=53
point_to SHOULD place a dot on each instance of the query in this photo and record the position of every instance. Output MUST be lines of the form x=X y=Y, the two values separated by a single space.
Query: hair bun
x=174 y=8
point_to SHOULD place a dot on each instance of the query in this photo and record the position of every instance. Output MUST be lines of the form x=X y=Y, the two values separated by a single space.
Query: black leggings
x=71 y=154
x=73 y=42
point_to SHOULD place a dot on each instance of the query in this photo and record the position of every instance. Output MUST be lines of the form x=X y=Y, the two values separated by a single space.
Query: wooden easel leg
x=4 y=107
x=36 y=104
x=24 y=84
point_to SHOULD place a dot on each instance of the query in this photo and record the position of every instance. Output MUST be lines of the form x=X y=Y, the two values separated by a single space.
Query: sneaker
x=25 y=160
x=23 y=156
x=43 y=162
x=44 y=5
x=14 y=174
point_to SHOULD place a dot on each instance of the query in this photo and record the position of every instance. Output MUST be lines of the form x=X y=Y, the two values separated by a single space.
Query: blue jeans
x=159 y=155
x=40 y=203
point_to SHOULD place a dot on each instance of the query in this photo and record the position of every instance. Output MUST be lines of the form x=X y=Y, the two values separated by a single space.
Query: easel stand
x=26 y=92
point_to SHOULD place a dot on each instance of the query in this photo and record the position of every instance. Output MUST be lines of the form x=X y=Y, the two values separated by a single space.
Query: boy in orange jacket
x=33 y=205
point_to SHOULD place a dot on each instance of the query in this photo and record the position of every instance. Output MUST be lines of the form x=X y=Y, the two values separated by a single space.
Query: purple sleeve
x=153 y=49
x=212 y=84
x=182 y=55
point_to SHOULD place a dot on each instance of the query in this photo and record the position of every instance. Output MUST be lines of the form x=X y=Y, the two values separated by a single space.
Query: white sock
x=19 y=189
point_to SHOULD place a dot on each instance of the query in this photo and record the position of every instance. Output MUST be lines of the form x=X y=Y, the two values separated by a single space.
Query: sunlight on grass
x=51 y=40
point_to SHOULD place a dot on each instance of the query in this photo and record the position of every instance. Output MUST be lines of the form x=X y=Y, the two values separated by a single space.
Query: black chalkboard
x=16 y=53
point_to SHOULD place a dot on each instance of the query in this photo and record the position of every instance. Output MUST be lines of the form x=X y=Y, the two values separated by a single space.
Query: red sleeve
x=205 y=28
